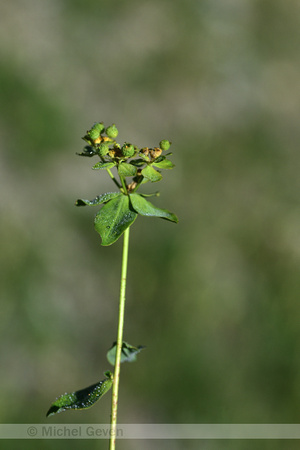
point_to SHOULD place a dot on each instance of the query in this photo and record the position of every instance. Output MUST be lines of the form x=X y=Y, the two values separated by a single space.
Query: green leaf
x=82 y=399
x=165 y=164
x=145 y=208
x=151 y=174
x=104 y=165
x=113 y=219
x=144 y=157
x=103 y=198
x=127 y=170
x=87 y=151
x=128 y=353
x=138 y=162
x=159 y=158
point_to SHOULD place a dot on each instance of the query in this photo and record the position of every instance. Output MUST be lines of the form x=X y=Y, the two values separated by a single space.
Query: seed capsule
x=99 y=126
x=112 y=131
x=128 y=150
x=94 y=134
x=103 y=149
x=165 y=144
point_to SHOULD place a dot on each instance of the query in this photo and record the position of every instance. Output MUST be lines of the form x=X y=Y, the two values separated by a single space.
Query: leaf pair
x=120 y=211
x=153 y=175
x=128 y=353
x=87 y=397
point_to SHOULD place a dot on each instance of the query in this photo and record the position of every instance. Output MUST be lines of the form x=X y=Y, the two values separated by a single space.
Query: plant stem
x=123 y=184
x=113 y=178
x=115 y=389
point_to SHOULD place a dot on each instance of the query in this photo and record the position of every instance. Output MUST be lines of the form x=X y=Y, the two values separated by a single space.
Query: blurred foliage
x=32 y=122
x=220 y=79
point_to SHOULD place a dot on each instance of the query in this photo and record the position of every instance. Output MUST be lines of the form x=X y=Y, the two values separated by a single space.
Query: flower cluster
x=134 y=166
x=142 y=165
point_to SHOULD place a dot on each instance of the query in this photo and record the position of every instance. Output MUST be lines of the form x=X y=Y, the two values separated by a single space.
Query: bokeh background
x=215 y=299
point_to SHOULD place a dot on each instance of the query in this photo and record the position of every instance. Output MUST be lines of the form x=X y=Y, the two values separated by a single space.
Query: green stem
x=115 y=390
x=113 y=178
x=124 y=185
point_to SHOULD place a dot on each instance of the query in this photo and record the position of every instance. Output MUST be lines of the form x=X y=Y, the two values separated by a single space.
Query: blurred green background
x=215 y=299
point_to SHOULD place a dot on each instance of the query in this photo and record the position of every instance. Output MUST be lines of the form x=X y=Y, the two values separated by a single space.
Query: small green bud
x=128 y=150
x=99 y=126
x=164 y=144
x=112 y=131
x=94 y=134
x=103 y=149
